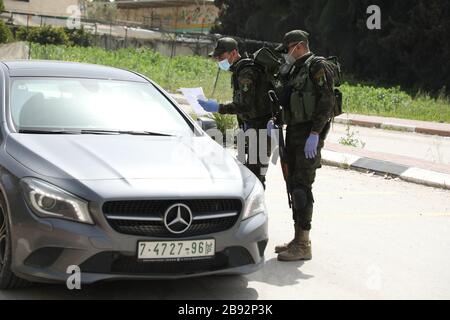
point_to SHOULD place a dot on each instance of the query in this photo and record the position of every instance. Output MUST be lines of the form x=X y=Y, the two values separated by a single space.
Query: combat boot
x=286 y=246
x=299 y=250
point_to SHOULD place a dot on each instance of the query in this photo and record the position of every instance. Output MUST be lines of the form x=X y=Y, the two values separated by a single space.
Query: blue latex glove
x=209 y=105
x=311 y=146
x=270 y=127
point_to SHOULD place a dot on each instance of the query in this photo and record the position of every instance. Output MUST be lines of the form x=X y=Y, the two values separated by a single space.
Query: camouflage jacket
x=251 y=102
x=323 y=90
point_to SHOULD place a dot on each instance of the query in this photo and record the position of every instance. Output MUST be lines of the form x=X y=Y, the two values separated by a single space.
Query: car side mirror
x=206 y=123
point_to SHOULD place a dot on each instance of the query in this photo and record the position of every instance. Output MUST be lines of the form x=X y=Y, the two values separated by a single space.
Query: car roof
x=47 y=68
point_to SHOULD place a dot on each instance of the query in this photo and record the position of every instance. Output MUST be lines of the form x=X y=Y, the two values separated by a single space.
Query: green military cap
x=224 y=45
x=292 y=37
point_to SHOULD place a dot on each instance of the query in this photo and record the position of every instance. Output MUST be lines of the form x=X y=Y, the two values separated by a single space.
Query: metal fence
x=115 y=35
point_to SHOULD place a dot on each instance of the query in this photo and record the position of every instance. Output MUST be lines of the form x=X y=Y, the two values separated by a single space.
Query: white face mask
x=289 y=58
x=224 y=65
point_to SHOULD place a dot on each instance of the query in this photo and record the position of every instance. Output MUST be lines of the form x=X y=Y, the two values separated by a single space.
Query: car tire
x=8 y=280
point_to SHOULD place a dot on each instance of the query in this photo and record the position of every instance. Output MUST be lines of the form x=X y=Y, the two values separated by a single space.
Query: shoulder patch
x=245 y=83
x=319 y=77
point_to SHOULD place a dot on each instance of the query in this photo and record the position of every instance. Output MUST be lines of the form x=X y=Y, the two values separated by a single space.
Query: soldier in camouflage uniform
x=250 y=102
x=308 y=101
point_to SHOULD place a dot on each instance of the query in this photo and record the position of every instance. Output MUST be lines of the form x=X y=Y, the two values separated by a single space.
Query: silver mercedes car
x=103 y=173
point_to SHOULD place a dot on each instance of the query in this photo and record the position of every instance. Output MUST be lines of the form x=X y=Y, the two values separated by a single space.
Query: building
x=58 y=8
x=169 y=15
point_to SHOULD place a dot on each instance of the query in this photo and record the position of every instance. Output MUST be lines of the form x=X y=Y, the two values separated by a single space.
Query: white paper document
x=191 y=95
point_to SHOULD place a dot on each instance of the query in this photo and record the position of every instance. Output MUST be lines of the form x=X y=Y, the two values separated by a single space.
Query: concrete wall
x=189 y=18
x=42 y=7
x=165 y=47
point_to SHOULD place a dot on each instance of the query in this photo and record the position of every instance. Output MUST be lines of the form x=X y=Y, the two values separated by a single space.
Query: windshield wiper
x=146 y=133
x=34 y=131
x=95 y=131
x=141 y=133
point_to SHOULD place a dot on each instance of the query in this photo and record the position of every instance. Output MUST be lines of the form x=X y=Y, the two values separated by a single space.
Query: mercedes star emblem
x=178 y=218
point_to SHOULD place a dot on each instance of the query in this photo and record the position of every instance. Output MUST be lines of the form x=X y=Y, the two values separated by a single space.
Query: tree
x=101 y=10
x=411 y=49
x=233 y=16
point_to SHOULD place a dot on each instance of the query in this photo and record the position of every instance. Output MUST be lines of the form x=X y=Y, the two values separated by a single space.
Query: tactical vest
x=261 y=107
x=303 y=96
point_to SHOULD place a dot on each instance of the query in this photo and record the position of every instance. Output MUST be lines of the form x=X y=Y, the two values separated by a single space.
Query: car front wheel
x=8 y=280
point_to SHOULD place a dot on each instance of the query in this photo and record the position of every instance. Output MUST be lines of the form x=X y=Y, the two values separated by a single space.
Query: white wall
x=43 y=7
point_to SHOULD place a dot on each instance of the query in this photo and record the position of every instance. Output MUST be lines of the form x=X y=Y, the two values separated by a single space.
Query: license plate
x=148 y=250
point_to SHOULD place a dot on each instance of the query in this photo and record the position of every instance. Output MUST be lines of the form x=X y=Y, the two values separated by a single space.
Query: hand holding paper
x=192 y=95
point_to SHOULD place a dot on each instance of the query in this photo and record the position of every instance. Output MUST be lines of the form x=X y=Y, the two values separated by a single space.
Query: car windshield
x=91 y=105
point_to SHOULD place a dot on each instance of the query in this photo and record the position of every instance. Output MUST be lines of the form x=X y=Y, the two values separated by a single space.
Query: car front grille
x=145 y=217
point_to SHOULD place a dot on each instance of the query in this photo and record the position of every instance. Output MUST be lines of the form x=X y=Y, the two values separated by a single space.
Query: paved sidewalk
x=430 y=148
x=406 y=168
x=425 y=127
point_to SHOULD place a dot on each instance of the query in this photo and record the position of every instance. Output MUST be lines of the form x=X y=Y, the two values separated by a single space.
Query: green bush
x=47 y=35
x=225 y=122
x=393 y=102
x=52 y=35
x=5 y=32
x=79 y=37
x=22 y=34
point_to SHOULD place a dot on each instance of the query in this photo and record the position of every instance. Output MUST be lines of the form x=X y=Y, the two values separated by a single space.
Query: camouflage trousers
x=258 y=165
x=259 y=168
x=302 y=171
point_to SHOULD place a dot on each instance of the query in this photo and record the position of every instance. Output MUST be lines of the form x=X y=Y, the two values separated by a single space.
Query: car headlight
x=255 y=202
x=49 y=201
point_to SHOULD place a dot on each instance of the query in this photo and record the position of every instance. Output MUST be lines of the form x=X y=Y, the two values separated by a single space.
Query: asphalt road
x=372 y=239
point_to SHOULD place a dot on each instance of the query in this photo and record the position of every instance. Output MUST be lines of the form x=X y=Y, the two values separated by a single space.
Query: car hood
x=103 y=157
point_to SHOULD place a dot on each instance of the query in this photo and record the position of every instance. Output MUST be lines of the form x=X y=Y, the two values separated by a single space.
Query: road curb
x=410 y=174
x=423 y=127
